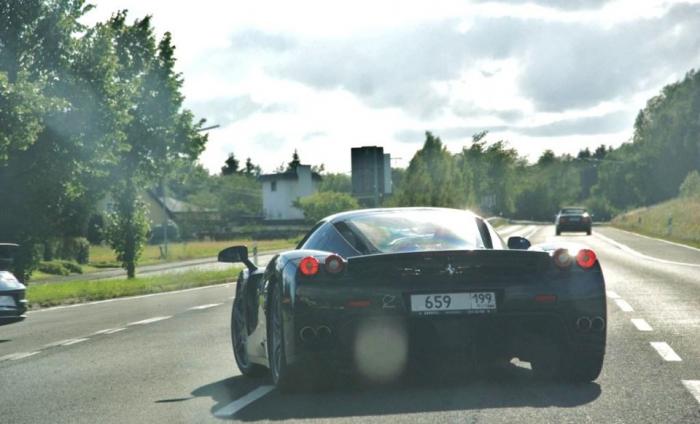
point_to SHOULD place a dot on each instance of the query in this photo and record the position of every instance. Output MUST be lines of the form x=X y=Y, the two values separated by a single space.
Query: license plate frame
x=471 y=302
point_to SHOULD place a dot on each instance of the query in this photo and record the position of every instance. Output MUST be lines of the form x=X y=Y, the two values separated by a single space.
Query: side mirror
x=520 y=243
x=235 y=254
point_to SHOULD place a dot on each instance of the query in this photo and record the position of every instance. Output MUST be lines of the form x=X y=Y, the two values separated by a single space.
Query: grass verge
x=52 y=294
x=653 y=221
x=181 y=251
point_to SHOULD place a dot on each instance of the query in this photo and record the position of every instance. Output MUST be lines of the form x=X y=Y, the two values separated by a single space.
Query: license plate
x=575 y=219
x=475 y=302
x=7 y=301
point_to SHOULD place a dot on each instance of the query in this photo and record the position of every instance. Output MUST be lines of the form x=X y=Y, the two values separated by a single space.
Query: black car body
x=13 y=304
x=573 y=219
x=444 y=283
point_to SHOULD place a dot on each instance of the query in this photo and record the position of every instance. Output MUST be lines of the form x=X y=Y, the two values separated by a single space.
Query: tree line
x=86 y=113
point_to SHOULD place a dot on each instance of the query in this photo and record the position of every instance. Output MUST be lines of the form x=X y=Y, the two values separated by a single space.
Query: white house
x=279 y=191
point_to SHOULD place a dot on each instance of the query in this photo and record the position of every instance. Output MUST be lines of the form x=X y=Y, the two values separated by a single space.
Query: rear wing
x=7 y=255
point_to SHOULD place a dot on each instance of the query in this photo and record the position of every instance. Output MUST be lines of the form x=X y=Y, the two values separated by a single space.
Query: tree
x=337 y=182
x=322 y=204
x=159 y=132
x=251 y=170
x=231 y=166
x=691 y=186
x=292 y=166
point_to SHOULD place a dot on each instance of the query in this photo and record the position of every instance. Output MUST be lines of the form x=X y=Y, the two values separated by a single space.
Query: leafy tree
x=231 y=166
x=291 y=166
x=322 y=204
x=337 y=182
x=159 y=132
x=251 y=170
x=691 y=185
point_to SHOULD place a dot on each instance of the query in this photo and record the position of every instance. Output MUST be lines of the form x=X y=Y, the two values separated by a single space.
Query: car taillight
x=562 y=258
x=586 y=258
x=308 y=266
x=334 y=264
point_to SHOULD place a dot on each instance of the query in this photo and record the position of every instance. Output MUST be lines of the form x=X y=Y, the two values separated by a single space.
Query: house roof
x=177 y=206
x=287 y=175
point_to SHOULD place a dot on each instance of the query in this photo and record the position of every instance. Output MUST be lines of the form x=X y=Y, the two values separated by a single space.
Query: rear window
x=408 y=231
x=573 y=211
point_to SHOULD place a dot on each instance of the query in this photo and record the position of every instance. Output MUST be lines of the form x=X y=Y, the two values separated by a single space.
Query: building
x=281 y=190
x=371 y=174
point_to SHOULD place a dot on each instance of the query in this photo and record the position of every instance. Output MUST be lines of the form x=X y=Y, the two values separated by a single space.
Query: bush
x=691 y=185
x=325 y=203
x=75 y=248
x=60 y=268
x=173 y=233
x=53 y=268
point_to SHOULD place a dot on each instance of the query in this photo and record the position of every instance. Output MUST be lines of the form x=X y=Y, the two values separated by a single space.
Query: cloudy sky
x=324 y=76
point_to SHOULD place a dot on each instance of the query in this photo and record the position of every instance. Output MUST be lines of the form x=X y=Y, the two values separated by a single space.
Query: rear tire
x=239 y=341
x=280 y=371
x=558 y=232
x=588 y=232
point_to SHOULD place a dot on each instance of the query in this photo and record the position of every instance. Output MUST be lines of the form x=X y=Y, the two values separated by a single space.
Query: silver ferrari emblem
x=450 y=270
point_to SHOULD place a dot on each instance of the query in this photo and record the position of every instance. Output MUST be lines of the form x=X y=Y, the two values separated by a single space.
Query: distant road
x=167 y=358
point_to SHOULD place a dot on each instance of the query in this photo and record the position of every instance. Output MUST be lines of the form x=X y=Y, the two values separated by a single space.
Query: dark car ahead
x=382 y=290
x=13 y=304
x=573 y=219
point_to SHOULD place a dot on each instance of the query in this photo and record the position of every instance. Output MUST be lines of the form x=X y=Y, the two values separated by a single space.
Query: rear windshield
x=409 y=231
x=574 y=211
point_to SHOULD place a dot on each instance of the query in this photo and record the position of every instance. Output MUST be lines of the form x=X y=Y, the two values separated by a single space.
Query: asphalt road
x=167 y=358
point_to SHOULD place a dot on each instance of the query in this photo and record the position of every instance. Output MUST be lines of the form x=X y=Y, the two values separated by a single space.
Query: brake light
x=334 y=264
x=586 y=258
x=308 y=266
x=562 y=258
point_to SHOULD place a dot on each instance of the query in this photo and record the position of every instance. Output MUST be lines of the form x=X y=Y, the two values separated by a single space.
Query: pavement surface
x=167 y=358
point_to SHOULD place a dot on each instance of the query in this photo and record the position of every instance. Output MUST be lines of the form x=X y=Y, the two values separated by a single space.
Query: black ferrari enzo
x=376 y=291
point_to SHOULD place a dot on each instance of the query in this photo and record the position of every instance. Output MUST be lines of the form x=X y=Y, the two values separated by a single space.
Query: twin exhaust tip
x=590 y=324
x=320 y=333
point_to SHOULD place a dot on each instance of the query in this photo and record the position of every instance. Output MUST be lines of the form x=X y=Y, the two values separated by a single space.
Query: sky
x=324 y=76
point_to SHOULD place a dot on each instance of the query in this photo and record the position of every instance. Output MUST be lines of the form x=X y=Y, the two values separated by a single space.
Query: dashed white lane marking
x=613 y=295
x=693 y=387
x=641 y=324
x=238 y=404
x=200 y=307
x=149 y=320
x=626 y=307
x=666 y=351
x=75 y=341
x=114 y=330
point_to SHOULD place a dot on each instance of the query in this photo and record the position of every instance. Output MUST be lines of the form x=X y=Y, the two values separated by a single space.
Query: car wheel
x=558 y=232
x=588 y=232
x=584 y=367
x=239 y=341
x=279 y=369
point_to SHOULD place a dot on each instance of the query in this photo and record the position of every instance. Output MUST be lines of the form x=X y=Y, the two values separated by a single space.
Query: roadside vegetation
x=52 y=294
x=675 y=220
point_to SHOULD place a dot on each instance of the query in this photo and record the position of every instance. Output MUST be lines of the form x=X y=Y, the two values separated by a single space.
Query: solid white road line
x=121 y=299
x=238 y=404
x=631 y=251
x=641 y=324
x=658 y=239
x=115 y=330
x=613 y=295
x=74 y=341
x=149 y=320
x=626 y=307
x=693 y=387
x=23 y=355
x=666 y=352
x=200 y=307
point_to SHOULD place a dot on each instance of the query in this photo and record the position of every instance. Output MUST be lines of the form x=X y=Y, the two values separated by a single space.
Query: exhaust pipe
x=323 y=333
x=597 y=324
x=583 y=324
x=307 y=334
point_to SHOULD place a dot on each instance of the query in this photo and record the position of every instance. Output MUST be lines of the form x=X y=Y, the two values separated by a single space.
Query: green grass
x=653 y=221
x=101 y=256
x=51 y=294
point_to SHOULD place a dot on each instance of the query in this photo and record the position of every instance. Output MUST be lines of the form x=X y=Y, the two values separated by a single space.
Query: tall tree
x=231 y=166
x=158 y=135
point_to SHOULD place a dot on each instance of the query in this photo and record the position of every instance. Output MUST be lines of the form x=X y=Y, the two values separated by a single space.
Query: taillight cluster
x=334 y=264
x=585 y=258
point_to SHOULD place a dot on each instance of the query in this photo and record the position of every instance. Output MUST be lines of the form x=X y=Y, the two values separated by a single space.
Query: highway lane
x=174 y=363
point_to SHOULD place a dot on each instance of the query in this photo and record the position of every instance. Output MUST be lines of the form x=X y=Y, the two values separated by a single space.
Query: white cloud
x=323 y=76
